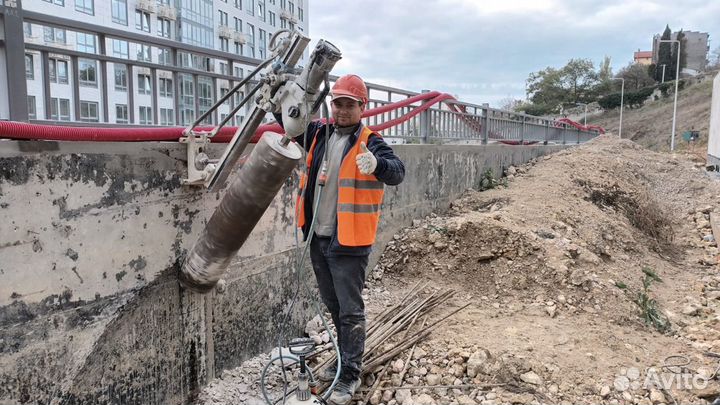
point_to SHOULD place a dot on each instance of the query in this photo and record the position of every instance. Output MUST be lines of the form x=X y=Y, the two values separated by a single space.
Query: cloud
x=483 y=51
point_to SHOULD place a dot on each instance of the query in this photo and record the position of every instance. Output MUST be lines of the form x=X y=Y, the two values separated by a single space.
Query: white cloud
x=484 y=50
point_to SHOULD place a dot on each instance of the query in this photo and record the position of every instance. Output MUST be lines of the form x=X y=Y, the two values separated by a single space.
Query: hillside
x=651 y=125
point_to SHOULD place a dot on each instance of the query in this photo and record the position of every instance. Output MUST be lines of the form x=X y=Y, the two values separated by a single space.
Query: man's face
x=346 y=111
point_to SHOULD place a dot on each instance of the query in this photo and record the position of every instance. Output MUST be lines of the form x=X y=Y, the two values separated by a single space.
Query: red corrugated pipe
x=21 y=130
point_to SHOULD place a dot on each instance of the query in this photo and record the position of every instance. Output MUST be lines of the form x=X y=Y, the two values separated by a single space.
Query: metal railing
x=444 y=122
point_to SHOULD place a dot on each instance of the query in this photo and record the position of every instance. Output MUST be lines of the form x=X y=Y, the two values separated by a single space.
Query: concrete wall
x=714 y=137
x=91 y=238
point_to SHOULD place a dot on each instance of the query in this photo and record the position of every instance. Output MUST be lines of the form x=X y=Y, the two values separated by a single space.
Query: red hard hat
x=351 y=86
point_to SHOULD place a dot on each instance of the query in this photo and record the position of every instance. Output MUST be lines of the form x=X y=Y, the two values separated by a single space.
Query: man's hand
x=366 y=161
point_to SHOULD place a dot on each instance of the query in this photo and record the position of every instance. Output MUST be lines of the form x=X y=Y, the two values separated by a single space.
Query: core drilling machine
x=281 y=89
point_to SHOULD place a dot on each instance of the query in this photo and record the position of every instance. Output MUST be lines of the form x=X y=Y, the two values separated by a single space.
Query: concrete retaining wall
x=714 y=137
x=91 y=237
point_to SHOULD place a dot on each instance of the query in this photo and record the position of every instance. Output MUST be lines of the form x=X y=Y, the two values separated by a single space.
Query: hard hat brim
x=341 y=94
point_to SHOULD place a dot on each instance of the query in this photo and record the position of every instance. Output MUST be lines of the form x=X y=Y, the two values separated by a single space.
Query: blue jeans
x=340 y=279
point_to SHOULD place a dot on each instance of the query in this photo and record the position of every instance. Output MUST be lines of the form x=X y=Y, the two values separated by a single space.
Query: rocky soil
x=592 y=278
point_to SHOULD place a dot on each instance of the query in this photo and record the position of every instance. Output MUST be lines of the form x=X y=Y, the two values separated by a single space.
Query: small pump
x=301 y=348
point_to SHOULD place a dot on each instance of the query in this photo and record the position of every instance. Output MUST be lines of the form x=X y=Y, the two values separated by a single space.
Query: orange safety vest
x=359 y=197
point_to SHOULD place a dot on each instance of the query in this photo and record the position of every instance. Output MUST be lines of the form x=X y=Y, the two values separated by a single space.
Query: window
x=142 y=20
x=224 y=44
x=120 y=48
x=164 y=2
x=64 y=107
x=223 y=92
x=261 y=10
x=85 y=42
x=145 y=115
x=166 y=87
x=54 y=35
x=223 y=68
x=187 y=99
x=251 y=40
x=119 y=11
x=164 y=56
x=271 y=18
x=88 y=72
x=88 y=111
x=283 y=23
x=121 y=113
x=239 y=72
x=121 y=80
x=300 y=14
x=85 y=6
x=238 y=24
x=56 y=2
x=164 y=27
x=291 y=7
x=27 y=28
x=283 y=4
x=238 y=96
x=58 y=71
x=167 y=116
x=250 y=7
x=262 y=45
x=143 y=53
x=238 y=4
x=32 y=113
x=144 y=86
x=205 y=97
x=29 y=67
x=239 y=48
x=223 y=18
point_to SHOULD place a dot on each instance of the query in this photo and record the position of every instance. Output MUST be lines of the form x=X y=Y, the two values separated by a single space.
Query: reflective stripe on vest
x=359 y=197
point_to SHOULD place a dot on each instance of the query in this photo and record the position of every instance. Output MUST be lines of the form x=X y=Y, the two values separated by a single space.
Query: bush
x=610 y=101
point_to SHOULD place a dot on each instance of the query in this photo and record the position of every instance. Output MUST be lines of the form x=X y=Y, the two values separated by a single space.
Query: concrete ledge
x=92 y=237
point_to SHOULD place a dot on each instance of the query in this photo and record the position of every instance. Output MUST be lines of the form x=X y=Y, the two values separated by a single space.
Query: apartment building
x=154 y=62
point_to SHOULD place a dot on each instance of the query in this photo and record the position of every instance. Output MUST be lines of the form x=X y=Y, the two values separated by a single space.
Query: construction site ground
x=552 y=262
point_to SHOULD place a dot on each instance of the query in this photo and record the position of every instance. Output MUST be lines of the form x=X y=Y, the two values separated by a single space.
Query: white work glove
x=366 y=161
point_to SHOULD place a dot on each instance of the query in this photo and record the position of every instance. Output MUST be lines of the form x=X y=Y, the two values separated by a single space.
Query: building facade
x=696 y=48
x=146 y=62
x=643 y=57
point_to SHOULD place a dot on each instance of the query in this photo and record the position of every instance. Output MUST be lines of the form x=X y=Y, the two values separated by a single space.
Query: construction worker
x=354 y=164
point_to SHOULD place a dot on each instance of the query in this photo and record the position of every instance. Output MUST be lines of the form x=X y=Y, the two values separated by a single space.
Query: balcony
x=239 y=37
x=286 y=15
x=167 y=12
x=146 y=5
x=225 y=32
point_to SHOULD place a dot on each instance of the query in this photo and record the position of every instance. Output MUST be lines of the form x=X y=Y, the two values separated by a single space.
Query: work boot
x=344 y=391
x=328 y=373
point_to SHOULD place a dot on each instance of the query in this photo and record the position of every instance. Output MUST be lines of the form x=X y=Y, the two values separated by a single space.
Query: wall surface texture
x=91 y=239
x=714 y=137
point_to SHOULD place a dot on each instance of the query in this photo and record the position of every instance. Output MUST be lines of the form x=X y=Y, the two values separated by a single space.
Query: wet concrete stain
x=186 y=224
x=72 y=254
x=119 y=275
x=16 y=170
x=74 y=270
x=138 y=264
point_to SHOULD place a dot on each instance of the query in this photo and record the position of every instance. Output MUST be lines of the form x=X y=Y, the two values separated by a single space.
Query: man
x=348 y=170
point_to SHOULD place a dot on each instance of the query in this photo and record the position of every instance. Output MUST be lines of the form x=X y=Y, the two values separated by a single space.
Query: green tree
x=549 y=88
x=581 y=80
x=636 y=76
x=664 y=55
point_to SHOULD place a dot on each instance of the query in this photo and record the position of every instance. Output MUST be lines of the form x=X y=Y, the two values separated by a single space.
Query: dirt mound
x=569 y=267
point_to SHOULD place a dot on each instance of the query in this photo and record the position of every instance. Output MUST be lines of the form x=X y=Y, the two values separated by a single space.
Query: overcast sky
x=483 y=50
